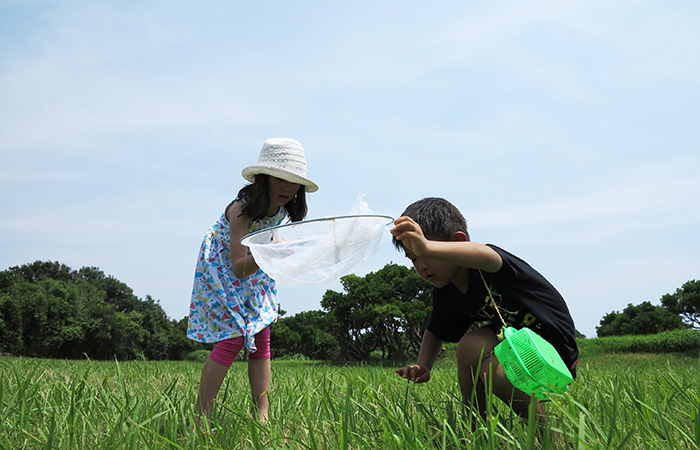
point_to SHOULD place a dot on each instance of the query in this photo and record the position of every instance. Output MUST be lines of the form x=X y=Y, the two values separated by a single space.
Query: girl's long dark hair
x=256 y=200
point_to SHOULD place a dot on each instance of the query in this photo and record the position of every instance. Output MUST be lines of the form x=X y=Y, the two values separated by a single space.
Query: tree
x=686 y=302
x=48 y=310
x=47 y=317
x=41 y=270
x=644 y=318
x=303 y=334
x=179 y=344
x=116 y=293
x=157 y=327
x=11 y=337
x=385 y=311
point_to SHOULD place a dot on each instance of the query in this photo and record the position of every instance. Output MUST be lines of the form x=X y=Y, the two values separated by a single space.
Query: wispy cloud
x=556 y=126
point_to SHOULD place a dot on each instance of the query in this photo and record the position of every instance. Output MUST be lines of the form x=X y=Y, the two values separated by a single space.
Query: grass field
x=637 y=401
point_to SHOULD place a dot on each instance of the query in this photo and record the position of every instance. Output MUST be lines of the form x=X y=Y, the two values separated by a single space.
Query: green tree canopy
x=644 y=318
x=303 y=334
x=686 y=302
x=384 y=311
x=49 y=310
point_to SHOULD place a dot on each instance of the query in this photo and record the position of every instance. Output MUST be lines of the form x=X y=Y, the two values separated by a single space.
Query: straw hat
x=282 y=158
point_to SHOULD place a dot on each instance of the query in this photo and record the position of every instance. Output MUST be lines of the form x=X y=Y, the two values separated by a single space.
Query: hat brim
x=250 y=172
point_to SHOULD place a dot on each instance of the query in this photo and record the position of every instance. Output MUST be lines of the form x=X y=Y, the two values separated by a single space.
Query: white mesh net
x=320 y=250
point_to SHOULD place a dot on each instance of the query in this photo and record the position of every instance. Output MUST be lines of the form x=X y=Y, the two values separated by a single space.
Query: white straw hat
x=282 y=158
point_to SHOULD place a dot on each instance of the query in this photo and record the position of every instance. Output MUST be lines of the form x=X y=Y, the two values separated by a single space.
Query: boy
x=433 y=234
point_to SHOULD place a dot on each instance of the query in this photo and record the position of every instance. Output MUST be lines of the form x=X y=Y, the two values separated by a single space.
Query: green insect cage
x=531 y=363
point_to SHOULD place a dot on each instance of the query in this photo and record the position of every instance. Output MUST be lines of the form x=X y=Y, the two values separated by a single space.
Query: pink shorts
x=225 y=352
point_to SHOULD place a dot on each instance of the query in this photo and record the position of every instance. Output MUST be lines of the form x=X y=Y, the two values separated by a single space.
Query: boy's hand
x=415 y=373
x=411 y=235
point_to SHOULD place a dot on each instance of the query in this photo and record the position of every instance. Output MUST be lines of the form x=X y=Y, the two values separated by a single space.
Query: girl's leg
x=214 y=372
x=213 y=375
x=259 y=374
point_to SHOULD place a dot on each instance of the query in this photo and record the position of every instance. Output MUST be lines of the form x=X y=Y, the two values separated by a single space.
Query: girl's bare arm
x=241 y=260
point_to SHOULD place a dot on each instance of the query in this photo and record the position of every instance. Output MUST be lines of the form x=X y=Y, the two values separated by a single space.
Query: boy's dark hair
x=438 y=218
x=256 y=200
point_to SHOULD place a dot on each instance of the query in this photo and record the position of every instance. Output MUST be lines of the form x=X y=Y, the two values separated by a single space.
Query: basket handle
x=493 y=302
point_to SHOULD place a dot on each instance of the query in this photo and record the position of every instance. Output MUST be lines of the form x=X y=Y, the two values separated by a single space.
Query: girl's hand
x=411 y=235
x=415 y=373
x=277 y=240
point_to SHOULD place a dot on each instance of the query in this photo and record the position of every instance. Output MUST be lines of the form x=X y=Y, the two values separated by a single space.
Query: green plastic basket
x=531 y=363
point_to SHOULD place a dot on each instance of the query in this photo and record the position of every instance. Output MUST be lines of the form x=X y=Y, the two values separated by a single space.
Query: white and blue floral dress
x=224 y=306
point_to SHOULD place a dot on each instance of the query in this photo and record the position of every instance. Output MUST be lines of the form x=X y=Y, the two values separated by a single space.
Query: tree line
x=48 y=310
x=678 y=311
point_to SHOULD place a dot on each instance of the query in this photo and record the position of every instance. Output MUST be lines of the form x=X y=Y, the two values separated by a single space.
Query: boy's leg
x=518 y=400
x=471 y=350
x=475 y=350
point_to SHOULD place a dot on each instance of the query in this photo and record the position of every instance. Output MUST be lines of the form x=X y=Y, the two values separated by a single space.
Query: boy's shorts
x=225 y=351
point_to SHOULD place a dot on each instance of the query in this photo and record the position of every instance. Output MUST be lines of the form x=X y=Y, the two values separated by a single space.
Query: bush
x=295 y=357
x=676 y=341
x=198 y=356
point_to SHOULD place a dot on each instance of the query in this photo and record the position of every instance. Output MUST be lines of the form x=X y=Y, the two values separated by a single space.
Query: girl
x=233 y=301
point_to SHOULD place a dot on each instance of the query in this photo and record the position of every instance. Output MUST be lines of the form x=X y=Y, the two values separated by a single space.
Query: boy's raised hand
x=415 y=373
x=410 y=234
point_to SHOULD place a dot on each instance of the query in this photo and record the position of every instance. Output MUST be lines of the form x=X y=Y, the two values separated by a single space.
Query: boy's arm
x=429 y=350
x=466 y=254
x=458 y=251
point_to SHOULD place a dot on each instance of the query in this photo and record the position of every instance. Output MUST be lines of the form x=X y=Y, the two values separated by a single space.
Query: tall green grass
x=618 y=402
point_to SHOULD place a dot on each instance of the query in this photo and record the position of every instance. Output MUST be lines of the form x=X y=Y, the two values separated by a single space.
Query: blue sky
x=566 y=132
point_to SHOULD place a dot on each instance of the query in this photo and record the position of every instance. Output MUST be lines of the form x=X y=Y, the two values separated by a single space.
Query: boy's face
x=437 y=273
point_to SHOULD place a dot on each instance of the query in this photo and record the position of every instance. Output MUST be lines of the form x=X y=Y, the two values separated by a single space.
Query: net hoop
x=249 y=238
x=318 y=250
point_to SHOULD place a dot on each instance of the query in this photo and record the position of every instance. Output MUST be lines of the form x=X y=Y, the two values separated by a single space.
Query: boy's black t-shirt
x=524 y=298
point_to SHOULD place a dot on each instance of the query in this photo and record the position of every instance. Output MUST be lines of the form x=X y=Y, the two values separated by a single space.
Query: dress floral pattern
x=222 y=305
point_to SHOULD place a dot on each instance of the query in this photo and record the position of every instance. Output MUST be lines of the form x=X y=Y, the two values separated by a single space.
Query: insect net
x=320 y=250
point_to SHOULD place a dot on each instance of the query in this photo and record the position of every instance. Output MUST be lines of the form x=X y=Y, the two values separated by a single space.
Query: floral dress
x=222 y=305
